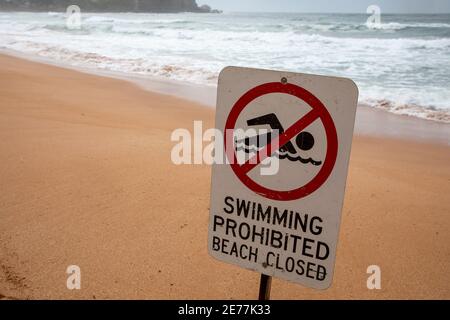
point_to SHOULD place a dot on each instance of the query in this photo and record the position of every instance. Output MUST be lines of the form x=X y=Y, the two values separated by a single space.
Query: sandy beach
x=86 y=179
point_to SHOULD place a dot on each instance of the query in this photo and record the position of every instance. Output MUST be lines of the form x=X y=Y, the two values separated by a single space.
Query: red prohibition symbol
x=318 y=112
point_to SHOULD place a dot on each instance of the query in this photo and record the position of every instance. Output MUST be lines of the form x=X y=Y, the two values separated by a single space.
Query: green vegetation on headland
x=107 y=5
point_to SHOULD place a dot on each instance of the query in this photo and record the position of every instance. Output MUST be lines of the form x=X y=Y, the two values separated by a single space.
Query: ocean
x=401 y=65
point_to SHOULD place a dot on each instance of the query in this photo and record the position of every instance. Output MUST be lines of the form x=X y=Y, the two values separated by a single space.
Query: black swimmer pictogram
x=304 y=141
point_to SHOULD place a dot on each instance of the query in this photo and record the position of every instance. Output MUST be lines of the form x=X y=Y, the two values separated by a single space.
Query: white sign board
x=276 y=202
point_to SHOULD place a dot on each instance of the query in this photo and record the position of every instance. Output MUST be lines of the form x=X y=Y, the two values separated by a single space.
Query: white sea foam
x=402 y=66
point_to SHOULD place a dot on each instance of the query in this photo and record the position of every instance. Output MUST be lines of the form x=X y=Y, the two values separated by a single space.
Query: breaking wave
x=400 y=66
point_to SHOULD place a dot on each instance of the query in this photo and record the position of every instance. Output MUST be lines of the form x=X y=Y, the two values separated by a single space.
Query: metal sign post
x=264 y=287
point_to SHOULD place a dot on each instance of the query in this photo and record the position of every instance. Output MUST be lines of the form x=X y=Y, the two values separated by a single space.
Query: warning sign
x=318 y=111
x=282 y=222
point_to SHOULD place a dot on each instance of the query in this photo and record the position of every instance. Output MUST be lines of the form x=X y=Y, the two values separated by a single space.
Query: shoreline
x=370 y=121
x=87 y=180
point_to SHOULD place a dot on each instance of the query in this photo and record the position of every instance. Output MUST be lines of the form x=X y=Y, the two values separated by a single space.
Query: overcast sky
x=337 y=6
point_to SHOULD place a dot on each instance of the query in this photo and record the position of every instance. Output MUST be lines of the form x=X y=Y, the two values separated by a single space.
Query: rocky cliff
x=105 y=5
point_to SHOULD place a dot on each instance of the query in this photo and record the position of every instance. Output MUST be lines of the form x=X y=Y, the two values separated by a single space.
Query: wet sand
x=86 y=179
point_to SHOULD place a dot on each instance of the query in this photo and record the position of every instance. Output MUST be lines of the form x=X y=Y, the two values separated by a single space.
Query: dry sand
x=86 y=179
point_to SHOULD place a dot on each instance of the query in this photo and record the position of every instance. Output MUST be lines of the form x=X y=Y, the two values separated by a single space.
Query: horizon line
x=321 y=12
x=234 y=11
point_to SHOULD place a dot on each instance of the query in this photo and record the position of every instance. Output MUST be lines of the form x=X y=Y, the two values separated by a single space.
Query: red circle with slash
x=318 y=111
